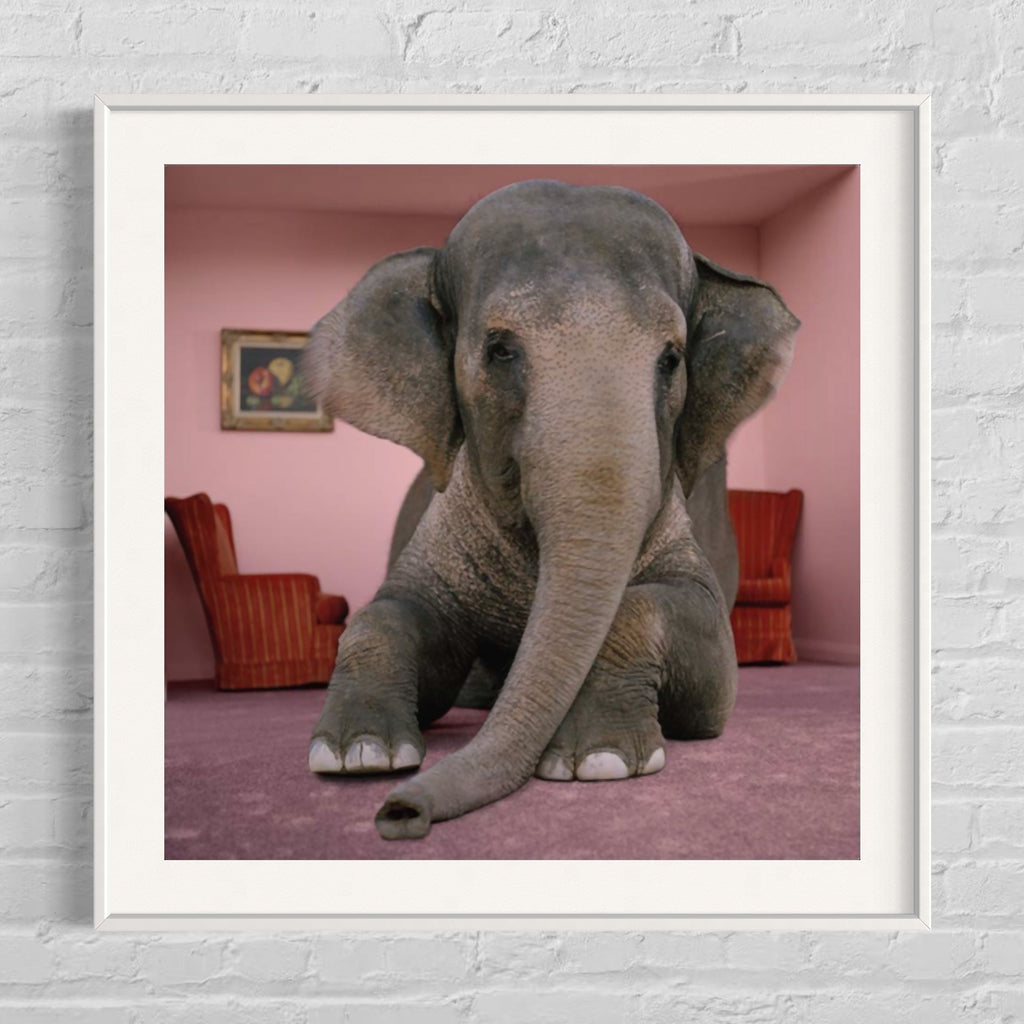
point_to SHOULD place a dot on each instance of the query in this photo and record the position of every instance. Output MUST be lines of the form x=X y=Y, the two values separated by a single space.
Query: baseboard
x=827 y=650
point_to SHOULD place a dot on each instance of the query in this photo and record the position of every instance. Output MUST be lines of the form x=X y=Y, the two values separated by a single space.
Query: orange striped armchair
x=271 y=629
x=765 y=524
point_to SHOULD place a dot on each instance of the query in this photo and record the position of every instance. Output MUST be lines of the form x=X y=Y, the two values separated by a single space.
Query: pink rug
x=782 y=782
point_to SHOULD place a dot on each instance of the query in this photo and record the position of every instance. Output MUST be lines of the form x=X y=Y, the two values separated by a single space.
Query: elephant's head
x=570 y=344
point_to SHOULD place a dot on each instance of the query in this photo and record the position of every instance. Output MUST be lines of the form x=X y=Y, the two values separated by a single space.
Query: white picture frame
x=889 y=887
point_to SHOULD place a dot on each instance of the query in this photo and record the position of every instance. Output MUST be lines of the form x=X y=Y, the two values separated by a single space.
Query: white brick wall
x=54 y=54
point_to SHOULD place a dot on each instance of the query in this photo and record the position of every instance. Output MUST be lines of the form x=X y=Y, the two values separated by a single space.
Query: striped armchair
x=765 y=524
x=272 y=629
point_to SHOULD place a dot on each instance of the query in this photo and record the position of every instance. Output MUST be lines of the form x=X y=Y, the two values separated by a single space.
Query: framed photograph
x=261 y=383
x=810 y=810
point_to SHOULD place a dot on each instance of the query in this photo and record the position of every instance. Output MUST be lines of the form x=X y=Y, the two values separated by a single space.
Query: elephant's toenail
x=655 y=762
x=406 y=756
x=366 y=755
x=322 y=759
x=602 y=764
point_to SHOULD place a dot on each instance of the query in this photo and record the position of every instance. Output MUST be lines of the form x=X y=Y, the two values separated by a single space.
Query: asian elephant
x=569 y=371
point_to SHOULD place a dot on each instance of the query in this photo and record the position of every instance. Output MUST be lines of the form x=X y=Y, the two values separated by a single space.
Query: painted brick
x=850 y=953
x=1009 y=93
x=989 y=888
x=45 y=574
x=44 y=760
x=73 y=824
x=987 y=164
x=50 y=628
x=185 y=962
x=997 y=300
x=223 y=1011
x=272 y=959
x=964 y=622
x=20 y=570
x=421 y=1010
x=553 y=1007
x=520 y=954
x=340 y=34
x=27 y=824
x=1001 y=825
x=83 y=956
x=788 y=951
x=36 y=32
x=587 y=954
x=348 y=962
x=424 y=956
x=667 y=952
x=842 y=1006
x=52 y=372
x=49 y=507
x=1003 y=1003
x=987 y=756
x=45 y=889
x=952 y=827
x=24 y=960
x=44 y=691
x=38 y=437
x=936 y=955
x=202 y=30
x=1003 y=953
x=978 y=689
x=964 y=230
x=67 y=1013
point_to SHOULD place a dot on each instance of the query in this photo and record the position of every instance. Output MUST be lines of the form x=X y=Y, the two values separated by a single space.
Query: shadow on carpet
x=782 y=782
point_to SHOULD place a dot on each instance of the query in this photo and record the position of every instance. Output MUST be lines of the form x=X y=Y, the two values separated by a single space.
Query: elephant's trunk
x=590 y=513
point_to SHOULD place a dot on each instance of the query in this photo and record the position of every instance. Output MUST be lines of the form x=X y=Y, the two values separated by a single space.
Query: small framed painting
x=261 y=383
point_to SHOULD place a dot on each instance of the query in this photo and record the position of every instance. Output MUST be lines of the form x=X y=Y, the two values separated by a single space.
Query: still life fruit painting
x=262 y=386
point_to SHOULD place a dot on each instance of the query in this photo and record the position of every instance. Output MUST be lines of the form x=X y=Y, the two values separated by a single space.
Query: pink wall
x=320 y=503
x=811 y=252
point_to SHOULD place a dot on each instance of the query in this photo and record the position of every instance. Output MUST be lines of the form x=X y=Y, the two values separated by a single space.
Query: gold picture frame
x=261 y=384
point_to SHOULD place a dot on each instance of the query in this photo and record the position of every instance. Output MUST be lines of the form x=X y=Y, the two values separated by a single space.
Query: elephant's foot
x=608 y=734
x=366 y=742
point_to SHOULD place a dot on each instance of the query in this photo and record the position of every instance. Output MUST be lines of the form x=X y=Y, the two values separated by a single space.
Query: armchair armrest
x=775 y=589
x=331 y=609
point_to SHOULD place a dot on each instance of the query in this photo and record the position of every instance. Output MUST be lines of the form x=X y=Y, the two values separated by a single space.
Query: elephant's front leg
x=667 y=668
x=399 y=666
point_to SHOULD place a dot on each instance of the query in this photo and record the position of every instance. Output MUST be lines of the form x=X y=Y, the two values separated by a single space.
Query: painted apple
x=282 y=368
x=261 y=381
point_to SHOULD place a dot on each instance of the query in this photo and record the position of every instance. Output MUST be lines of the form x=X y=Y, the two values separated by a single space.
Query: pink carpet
x=781 y=783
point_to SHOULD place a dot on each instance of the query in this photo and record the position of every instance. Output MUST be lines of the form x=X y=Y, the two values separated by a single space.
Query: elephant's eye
x=668 y=361
x=499 y=347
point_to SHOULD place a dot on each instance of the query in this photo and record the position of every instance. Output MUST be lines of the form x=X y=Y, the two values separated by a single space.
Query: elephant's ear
x=739 y=348
x=381 y=361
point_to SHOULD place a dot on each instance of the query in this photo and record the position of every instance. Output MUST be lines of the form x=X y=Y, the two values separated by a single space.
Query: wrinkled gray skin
x=712 y=530
x=569 y=371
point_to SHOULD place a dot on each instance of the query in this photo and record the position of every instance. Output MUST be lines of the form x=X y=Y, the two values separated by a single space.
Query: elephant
x=569 y=371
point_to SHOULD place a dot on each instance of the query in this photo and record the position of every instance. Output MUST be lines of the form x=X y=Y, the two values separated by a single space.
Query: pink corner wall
x=319 y=503
x=810 y=251
x=326 y=503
